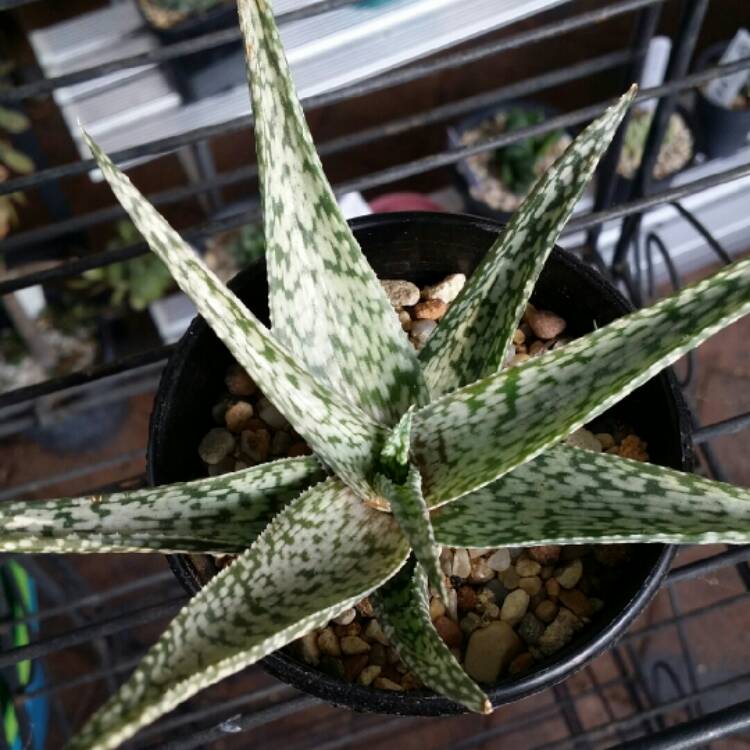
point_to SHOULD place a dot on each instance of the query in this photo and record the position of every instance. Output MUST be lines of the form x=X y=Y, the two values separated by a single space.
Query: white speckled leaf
x=323 y=553
x=476 y=434
x=403 y=610
x=219 y=515
x=573 y=496
x=410 y=510
x=473 y=338
x=326 y=303
x=342 y=435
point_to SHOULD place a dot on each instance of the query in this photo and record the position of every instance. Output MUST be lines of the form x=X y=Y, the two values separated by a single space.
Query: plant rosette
x=412 y=451
x=500 y=179
x=235 y=427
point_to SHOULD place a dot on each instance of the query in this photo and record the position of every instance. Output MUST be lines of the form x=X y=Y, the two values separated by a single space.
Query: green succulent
x=396 y=435
x=247 y=246
x=516 y=162
x=137 y=282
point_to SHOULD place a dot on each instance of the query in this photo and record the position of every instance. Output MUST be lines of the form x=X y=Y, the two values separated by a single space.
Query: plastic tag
x=723 y=91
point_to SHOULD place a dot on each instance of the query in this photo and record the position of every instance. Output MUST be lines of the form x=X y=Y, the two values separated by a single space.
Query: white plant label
x=724 y=90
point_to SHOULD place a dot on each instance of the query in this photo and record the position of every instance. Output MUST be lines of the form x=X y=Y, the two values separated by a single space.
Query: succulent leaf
x=474 y=435
x=314 y=262
x=394 y=456
x=403 y=611
x=220 y=515
x=472 y=339
x=411 y=512
x=574 y=496
x=323 y=553
x=340 y=433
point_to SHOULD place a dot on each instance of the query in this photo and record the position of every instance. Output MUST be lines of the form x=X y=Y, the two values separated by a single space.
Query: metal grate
x=641 y=701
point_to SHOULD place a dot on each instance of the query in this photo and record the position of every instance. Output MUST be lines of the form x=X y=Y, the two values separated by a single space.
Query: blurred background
x=433 y=105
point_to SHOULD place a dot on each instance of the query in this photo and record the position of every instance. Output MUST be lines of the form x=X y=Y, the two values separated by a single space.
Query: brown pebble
x=519 y=337
x=546 y=611
x=467 y=598
x=368 y=674
x=378 y=654
x=383 y=683
x=353 y=644
x=537 y=348
x=353 y=666
x=430 y=309
x=256 y=445
x=365 y=608
x=239 y=383
x=526 y=567
x=521 y=663
x=531 y=585
x=509 y=578
x=545 y=324
x=238 y=415
x=577 y=602
x=449 y=631
x=437 y=608
x=545 y=554
x=328 y=643
x=633 y=447
x=410 y=681
x=605 y=440
x=553 y=588
x=298 y=449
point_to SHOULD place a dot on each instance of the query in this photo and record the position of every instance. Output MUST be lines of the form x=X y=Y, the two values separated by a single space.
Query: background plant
x=395 y=437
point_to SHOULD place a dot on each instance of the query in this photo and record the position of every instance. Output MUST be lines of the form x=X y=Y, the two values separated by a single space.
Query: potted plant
x=723 y=130
x=495 y=182
x=411 y=452
x=676 y=152
x=176 y=20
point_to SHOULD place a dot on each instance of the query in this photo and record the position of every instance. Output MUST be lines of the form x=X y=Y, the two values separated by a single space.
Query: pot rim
x=568 y=660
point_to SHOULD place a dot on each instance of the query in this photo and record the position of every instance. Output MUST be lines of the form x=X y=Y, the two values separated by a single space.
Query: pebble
x=527 y=567
x=461 y=563
x=238 y=382
x=437 y=608
x=559 y=632
x=364 y=608
x=271 y=415
x=490 y=651
x=544 y=324
x=451 y=605
x=605 y=440
x=470 y=623
x=577 y=602
x=499 y=560
x=225 y=465
x=280 y=443
x=421 y=330
x=480 y=571
x=584 y=439
x=467 y=598
x=569 y=574
x=530 y=629
x=385 y=684
x=346 y=617
x=509 y=578
x=497 y=590
x=374 y=632
x=475 y=553
x=515 y=606
x=546 y=611
x=216 y=445
x=238 y=415
x=519 y=337
x=449 y=631
x=447 y=290
x=519 y=359
x=538 y=347
x=545 y=554
x=368 y=674
x=328 y=643
x=446 y=560
x=430 y=309
x=405 y=319
x=531 y=585
x=633 y=447
x=378 y=654
x=256 y=445
x=310 y=650
x=352 y=645
x=401 y=293
x=553 y=588
x=353 y=666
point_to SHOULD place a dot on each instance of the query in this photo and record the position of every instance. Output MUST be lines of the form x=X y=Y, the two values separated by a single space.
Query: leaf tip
x=487 y=706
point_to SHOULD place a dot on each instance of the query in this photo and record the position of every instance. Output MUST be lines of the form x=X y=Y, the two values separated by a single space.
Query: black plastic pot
x=424 y=248
x=721 y=131
x=465 y=176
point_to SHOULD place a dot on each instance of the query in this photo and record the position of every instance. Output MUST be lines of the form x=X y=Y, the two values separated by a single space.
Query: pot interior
x=424 y=248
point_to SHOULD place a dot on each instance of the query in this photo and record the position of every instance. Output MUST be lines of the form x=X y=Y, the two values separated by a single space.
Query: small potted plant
x=723 y=128
x=175 y=20
x=495 y=182
x=675 y=153
x=411 y=451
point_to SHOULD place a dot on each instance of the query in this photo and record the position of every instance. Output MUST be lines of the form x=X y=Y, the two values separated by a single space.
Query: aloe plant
x=410 y=452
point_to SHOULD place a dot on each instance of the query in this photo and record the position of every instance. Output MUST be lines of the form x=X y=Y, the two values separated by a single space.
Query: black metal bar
x=708 y=565
x=84 y=634
x=679 y=60
x=327 y=148
x=714 y=726
x=729 y=426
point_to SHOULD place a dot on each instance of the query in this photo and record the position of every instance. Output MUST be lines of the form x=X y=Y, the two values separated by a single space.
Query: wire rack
x=668 y=683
